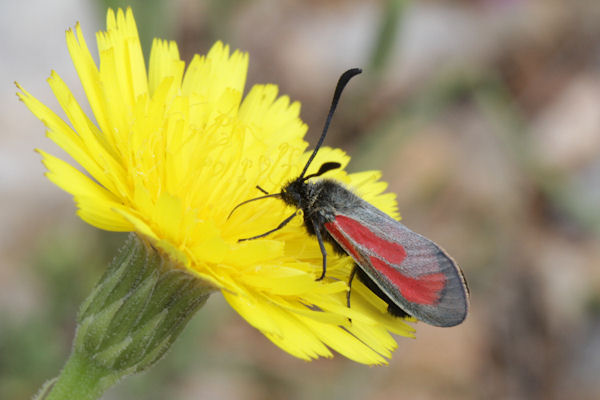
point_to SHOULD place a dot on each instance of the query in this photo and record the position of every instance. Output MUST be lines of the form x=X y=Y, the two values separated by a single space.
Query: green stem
x=80 y=379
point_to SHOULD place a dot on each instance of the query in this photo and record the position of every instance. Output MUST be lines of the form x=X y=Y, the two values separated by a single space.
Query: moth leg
x=262 y=190
x=281 y=225
x=352 y=274
x=323 y=251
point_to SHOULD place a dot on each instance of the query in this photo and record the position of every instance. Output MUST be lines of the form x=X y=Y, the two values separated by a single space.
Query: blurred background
x=484 y=116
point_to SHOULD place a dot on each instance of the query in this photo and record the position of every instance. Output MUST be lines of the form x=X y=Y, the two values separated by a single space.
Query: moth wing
x=415 y=273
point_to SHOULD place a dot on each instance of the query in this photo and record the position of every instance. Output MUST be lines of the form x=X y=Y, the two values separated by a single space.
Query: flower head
x=170 y=151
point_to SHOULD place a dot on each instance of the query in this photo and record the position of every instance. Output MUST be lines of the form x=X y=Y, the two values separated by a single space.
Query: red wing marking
x=341 y=239
x=422 y=290
x=392 y=252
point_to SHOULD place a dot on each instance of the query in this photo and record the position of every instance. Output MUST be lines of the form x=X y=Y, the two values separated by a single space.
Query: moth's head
x=294 y=192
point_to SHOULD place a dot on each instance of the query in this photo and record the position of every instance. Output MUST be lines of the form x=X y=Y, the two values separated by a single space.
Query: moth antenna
x=342 y=82
x=251 y=200
x=328 y=166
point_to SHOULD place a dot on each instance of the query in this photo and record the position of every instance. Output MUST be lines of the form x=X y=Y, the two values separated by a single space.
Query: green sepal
x=132 y=317
x=138 y=309
x=93 y=329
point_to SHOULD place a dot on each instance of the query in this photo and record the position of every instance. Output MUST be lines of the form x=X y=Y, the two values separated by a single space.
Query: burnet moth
x=409 y=272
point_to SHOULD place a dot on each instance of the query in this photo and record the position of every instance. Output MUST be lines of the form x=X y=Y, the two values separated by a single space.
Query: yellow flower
x=170 y=152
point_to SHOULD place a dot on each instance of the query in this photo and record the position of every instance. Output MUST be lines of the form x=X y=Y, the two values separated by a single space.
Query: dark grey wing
x=414 y=272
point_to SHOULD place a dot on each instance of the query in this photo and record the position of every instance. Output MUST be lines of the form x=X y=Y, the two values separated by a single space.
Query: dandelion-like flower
x=170 y=151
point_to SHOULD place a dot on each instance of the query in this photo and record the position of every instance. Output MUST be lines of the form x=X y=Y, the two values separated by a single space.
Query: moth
x=412 y=274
